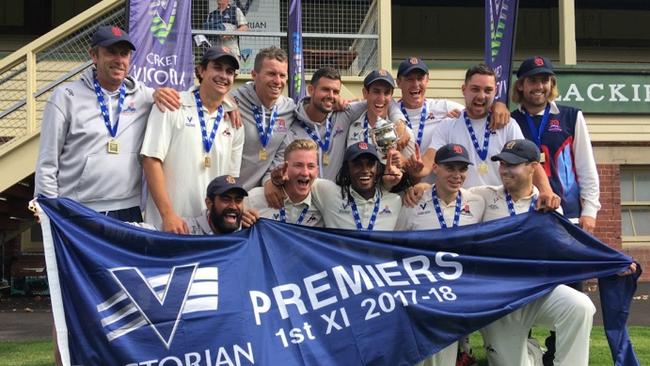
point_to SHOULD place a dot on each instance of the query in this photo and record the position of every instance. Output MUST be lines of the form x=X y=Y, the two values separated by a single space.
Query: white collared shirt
x=423 y=216
x=256 y=200
x=496 y=206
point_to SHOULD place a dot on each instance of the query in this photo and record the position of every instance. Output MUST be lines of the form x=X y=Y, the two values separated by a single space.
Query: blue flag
x=162 y=33
x=500 y=25
x=280 y=294
x=296 y=71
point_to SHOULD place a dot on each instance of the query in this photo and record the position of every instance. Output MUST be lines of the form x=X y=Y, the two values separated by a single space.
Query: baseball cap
x=518 y=151
x=108 y=35
x=360 y=148
x=376 y=75
x=410 y=64
x=452 y=153
x=534 y=66
x=223 y=184
x=215 y=53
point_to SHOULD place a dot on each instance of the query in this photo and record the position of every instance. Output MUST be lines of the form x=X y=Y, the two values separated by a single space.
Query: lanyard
x=283 y=215
x=357 y=218
x=323 y=143
x=112 y=128
x=441 y=217
x=365 y=128
x=537 y=133
x=207 y=141
x=265 y=136
x=482 y=153
x=511 y=205
x=423 y=117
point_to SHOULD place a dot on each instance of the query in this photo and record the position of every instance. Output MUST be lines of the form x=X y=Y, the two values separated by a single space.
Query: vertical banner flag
x=500 y=23
x=296 y=71
x=280 y=294
x=162 y=33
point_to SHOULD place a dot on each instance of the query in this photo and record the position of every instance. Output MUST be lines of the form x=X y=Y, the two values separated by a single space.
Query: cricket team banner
x=280 y=294
x=500 y=24
x=296 y=71
x=162 y=34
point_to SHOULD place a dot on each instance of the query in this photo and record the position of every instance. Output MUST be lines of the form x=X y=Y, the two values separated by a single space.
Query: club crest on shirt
x=338 y=131
x=280 y=125
x=190 y=122
x=227 y=132
x=466 y=211
x=554 y=126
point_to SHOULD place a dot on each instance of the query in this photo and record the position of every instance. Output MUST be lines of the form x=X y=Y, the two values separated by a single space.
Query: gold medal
x=326 y=159
x=263 y=154
x=113 y=147
x=482 y=168
x=542 y=158
x=207 y=162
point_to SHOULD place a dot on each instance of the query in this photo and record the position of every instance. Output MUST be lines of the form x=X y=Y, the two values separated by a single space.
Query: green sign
x=605 y=93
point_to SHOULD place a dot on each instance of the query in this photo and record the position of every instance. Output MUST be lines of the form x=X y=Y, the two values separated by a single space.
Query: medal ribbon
x=441 y=217
x=511 y=204
x=365 y=128
x=112 y=128
x=324 y=143
x=357 y=218
x=537 y=133
x=482 y=153
x=207 y=141
x=283 y=215
x=423 y=117
x=265 y=136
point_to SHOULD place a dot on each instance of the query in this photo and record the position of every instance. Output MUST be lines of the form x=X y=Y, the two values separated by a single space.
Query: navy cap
x=518 y=151
x=108 y=35
x=452 y=153
x=410 y=64
x=381 y=74
x=534 y=66
x=223 y=184
x=215 y=53
x=360 y=148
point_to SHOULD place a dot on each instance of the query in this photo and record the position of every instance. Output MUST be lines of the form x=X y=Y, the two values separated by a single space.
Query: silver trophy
x=384 y=135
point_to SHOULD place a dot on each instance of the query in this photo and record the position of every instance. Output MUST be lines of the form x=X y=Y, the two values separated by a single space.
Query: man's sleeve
x=54 y=129
x=586 y=169
x=158 y=135
x=278 y=158
x=403 y=219
x=237 y=151
x=395 y=112
x=514 y=131
x=241 y=19
x=440 y=134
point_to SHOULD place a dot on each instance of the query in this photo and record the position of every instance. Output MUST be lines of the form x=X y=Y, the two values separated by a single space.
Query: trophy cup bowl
x=384 y=135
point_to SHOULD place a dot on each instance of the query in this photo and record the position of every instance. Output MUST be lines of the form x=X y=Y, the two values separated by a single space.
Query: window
x=635 y=204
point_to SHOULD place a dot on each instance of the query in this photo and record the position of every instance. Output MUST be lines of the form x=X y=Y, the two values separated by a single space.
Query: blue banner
x=500 y=25
x=161 y=30
x=280 y=294
x=296 y=71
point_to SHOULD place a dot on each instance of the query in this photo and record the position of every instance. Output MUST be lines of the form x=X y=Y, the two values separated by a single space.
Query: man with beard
x=184 y=149
x=444 y=205
x=266 y=114
x=561 y=134
x=300 y=171
x=565 y=310
x=225 y=206
x=472 y=129
x=360 y=199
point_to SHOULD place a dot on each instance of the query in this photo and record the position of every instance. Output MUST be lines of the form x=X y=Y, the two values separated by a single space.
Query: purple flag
x=162 y=33
x=296 y=71
x=500 y=23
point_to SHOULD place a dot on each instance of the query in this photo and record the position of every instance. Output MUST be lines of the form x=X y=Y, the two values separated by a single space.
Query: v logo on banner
x=162 y=310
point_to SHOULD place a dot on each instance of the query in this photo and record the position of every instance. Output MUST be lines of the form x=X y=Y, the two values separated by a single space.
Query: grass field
x=39 y=353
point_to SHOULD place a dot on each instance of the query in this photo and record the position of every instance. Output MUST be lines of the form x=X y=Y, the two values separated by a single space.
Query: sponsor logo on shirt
x=130 y=109
x=280 y=125
x=386 y=211
x=190 y=122
x=554 y=126
x=312 y=219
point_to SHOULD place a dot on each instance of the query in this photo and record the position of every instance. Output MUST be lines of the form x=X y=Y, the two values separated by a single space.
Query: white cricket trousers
x=565 y=310
x=444 y=357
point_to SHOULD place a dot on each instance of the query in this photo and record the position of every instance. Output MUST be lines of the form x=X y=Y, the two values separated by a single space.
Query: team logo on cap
x=539 y=61
x=458 y=149
x=382 y=72
x=363 y=146
x=230 y=180
x=117 y=32
x=413 y=61
x=511 y=145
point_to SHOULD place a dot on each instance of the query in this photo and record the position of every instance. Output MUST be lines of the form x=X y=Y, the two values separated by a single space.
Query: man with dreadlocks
x=360 y=198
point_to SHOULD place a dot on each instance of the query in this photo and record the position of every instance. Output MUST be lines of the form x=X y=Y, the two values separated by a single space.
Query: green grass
x=599 y=354
x=39 y=353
